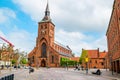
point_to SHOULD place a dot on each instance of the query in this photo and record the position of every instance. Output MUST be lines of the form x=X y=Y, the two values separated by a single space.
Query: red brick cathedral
x=47 y=51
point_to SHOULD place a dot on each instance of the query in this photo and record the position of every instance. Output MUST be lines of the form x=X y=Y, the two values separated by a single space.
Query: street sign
x=86 y=59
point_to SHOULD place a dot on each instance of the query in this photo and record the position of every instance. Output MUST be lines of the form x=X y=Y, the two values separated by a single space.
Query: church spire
x=47 y=9
x=47 y=13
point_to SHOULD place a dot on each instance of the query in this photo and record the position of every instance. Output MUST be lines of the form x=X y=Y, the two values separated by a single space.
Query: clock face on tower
x=43 y=31
x=51 y=33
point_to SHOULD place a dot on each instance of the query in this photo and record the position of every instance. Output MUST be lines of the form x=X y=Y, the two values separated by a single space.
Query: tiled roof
x=92 y=53
x=102 y=54
x=75 y=59
x=96 y=54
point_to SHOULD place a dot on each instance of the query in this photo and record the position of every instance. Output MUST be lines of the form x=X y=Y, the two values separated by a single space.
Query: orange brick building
x=77 y=59
x=47 y=51
x=96 y=59
x=113 y=38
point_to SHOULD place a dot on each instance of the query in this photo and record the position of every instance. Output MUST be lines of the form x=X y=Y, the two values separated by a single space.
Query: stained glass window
x=44 y=47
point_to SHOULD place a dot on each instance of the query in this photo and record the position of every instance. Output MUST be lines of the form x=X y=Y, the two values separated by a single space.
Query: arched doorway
x=43 y=63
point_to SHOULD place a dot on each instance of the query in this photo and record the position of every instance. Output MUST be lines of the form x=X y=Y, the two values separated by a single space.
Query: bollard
x=5 y=78
x=9 y=77
x=12 y=77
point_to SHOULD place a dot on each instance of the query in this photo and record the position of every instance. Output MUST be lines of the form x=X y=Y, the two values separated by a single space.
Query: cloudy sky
x=78 y=23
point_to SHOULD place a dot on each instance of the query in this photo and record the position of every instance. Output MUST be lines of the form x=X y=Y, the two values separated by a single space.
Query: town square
x=59 y=40
x=59 y=74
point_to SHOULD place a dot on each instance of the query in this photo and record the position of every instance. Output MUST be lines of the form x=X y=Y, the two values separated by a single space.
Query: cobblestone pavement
x=59 y=74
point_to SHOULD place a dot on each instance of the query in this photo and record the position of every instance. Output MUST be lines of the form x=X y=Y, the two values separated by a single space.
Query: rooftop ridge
x=58 y=43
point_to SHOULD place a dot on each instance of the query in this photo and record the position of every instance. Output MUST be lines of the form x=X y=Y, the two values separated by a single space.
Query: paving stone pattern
x=59 y=74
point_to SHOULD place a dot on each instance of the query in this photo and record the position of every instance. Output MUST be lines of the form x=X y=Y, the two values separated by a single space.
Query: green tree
x=67 y=62
x=13 y=61
x=83 y=56
x=24 y=61
x=80 y=60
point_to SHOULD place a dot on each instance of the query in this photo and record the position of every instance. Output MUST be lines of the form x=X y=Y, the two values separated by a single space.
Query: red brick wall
x=96 y=59
x=46 y=35
x=113 y=36
x=113 y=32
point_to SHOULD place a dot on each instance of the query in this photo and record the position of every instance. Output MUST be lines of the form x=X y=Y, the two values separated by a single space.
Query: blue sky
x=79 y=24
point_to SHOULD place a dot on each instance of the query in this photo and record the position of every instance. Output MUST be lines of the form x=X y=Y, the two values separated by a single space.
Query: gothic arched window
x=44 y=50
x=52 y=59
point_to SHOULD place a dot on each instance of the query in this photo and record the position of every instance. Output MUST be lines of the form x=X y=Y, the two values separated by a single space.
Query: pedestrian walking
x=31 y=70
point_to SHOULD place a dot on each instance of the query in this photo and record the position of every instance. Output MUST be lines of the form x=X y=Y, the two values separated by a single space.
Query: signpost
x=86 y=60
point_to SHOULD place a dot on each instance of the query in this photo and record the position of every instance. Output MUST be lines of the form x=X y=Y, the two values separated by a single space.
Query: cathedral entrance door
x=43 y=63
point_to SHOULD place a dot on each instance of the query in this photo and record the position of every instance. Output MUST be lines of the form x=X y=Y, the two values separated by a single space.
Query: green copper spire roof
x=47 y=14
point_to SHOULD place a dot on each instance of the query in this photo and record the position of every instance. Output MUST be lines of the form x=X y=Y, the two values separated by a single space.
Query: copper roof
x=47 y=15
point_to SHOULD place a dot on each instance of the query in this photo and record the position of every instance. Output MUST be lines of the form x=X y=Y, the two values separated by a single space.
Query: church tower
x=46 y=28
x=47 y=52
x=45 y=38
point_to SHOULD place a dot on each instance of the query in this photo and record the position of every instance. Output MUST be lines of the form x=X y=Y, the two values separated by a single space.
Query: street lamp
x=86 y=60
x=67 y=63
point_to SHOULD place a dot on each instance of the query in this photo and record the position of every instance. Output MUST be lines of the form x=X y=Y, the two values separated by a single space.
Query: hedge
x=67 y=62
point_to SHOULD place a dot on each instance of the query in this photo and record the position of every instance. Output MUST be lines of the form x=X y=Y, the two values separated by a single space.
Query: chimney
x=104 y=51
x=98 y=53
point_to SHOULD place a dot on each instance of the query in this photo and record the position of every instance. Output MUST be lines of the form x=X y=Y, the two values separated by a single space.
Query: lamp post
x=66 y=64
x=86 y=60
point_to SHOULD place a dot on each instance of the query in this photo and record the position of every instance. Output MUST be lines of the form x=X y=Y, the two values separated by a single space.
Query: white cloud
x=32 y=8
x=2 y=34
x=6 y=14
x=70 y=18
x=21 y=39
x=77 y=41
x=83 y=15
x=1 y=41
x=101 y=43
